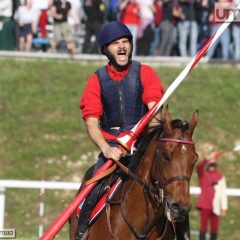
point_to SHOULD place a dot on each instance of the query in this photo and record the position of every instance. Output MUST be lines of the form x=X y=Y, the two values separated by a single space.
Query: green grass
x=42 y=133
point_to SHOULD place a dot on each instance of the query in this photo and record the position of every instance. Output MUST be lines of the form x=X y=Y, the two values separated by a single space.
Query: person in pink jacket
x=212 y=202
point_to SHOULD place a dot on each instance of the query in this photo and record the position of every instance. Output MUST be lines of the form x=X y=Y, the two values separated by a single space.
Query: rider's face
x=120 y=50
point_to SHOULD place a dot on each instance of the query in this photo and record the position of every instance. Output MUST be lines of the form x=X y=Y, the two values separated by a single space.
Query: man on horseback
x=115 y=98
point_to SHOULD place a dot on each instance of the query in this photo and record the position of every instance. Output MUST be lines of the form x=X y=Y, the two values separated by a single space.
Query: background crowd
x=159 y=27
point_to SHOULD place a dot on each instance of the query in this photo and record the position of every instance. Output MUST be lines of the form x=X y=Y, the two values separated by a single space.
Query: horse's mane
x=146 y=139
x=143 y=144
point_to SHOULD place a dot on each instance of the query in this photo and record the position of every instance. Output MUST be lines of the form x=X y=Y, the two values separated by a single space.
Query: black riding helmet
x=111 y=32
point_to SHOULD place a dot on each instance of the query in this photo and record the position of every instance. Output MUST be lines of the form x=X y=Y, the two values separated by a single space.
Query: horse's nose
x=185 y=208
x=179 y=211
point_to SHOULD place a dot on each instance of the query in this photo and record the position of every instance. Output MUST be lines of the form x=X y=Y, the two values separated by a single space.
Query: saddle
x=97 y=200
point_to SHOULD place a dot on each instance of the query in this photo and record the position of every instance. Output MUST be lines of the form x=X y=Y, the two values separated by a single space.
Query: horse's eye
x=167 y=156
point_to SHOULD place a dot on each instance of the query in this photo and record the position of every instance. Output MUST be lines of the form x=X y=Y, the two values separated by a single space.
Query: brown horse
x=152 y=201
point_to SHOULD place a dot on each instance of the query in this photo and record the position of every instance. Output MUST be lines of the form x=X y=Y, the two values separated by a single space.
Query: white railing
x=43 y=185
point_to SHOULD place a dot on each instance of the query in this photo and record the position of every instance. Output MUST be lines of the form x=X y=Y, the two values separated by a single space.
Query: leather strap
x=101 y=175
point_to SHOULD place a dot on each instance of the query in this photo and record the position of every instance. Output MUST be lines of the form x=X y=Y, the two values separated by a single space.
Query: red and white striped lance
x=128 y=140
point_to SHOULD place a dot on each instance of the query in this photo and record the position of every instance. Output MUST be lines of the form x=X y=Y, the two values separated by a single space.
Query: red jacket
x=207 y=180
x=131 y=14
x=91 y=104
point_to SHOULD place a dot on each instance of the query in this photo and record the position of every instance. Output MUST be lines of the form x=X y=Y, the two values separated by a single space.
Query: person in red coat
x=212 y=202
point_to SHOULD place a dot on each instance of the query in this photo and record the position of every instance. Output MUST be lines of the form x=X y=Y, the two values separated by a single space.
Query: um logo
x=222 y=11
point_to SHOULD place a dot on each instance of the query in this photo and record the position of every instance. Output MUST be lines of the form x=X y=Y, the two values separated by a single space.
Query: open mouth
x=122 y=56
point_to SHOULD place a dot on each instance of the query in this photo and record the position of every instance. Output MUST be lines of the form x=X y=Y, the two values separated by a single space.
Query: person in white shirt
x=7 y=37
x=26 y=20
x=75 y=14
x=41 y=7
x=145 y=28
x=5 y=8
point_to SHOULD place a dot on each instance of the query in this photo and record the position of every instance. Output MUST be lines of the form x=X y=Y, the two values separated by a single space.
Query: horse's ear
x=167 y=121
x=193 y=122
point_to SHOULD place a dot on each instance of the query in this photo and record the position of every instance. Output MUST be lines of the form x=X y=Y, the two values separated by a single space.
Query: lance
x=128 y=140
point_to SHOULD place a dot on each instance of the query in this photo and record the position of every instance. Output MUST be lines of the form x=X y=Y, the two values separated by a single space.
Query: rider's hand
x=112 y=153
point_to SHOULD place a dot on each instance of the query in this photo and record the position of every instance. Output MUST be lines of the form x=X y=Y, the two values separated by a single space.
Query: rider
x=116 y=96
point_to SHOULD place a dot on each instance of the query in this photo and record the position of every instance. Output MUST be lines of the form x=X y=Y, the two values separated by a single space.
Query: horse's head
x=175 y=159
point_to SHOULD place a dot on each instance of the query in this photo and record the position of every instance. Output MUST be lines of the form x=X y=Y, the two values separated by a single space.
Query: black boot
x=88 y=205
x=202 y=236
x=83 y=221
x=213 y=236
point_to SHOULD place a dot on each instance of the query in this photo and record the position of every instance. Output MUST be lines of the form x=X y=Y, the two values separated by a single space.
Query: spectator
x=62 y=31
x=167 y=28
x=130 y=16
x=236 y=37
x=95 y=14
x=26 y=20
x=212 y=202
x=187 y=26
x=7 y=36
x=75 y=15
x=156 y=33
x=224 y=39
x=113 y=10
x=204 y=8
x=41 y=7
x=145 y=33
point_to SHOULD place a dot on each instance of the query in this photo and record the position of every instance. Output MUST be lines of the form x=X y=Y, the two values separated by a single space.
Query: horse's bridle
x=163 y=183
x=173 y=179
x=183 y=141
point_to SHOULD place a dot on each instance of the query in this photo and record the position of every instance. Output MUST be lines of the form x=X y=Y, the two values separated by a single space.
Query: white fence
x=43 y=185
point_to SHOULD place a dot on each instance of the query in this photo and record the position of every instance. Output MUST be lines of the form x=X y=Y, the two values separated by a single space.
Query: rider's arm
x=152 y=85
x=95 y=134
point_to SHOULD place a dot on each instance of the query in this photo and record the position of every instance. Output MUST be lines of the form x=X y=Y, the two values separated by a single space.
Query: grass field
x=42 y=133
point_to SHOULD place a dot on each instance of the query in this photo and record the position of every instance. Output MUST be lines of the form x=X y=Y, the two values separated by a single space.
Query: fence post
x=41 y=212
x=2 y=207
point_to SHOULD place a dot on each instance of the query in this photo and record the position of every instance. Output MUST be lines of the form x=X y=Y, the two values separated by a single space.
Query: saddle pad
x=102 y=202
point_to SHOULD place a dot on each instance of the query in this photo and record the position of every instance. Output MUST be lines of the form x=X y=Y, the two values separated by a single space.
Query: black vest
x=122 y=100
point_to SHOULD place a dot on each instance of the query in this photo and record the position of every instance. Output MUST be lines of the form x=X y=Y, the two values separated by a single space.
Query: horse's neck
x=146 y=163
